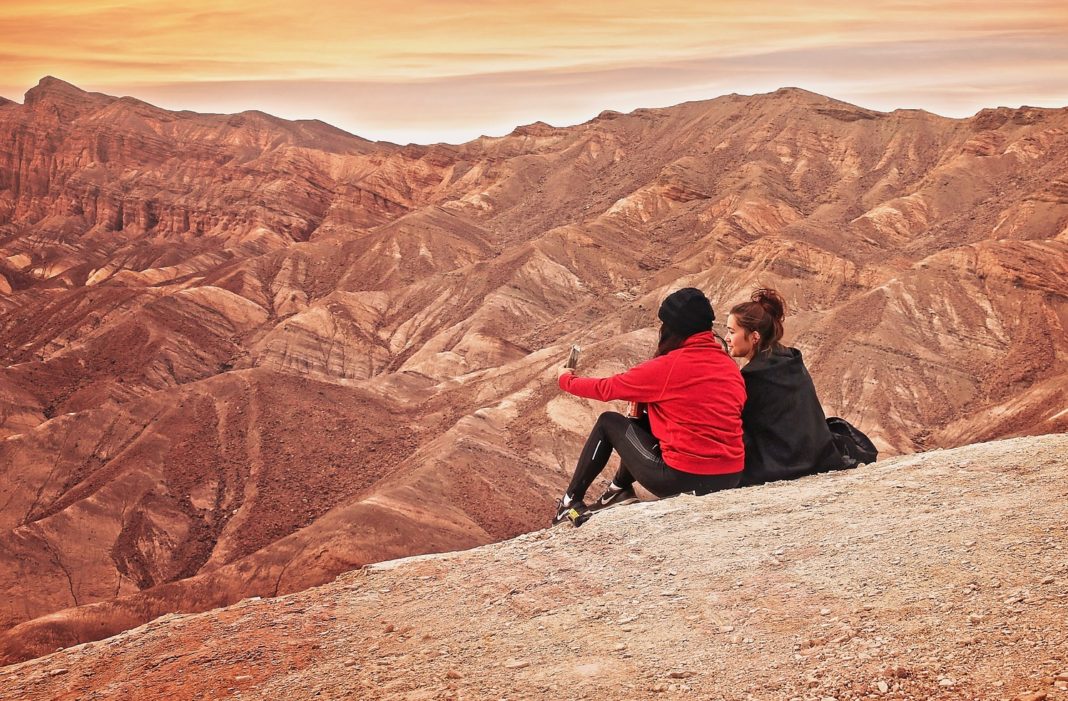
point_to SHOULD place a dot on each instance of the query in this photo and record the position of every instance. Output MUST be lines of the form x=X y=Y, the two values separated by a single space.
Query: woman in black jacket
x=783 y=425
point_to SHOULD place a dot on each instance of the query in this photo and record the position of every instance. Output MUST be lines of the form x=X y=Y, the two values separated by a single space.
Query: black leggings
x=640 y=461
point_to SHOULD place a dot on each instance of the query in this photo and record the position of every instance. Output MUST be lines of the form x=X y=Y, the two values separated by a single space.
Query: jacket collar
x=701 y=338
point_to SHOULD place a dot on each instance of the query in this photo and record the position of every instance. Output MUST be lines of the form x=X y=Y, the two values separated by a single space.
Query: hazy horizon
x=451 y=70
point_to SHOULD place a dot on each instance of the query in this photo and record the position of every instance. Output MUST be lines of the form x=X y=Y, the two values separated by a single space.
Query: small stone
x=516 y=664
x=1061 y=677
x=946 y=682
x=974 y=618
x=453 y=674
x=1048 y=580
x=350 y=662
x=825 y=612
x=726 y=629
x=57 y=672
x=883 y=687
x=390 y=628
x=659 y=688
x=680 y=674
x=620 y=647
x=1032 y=696
x=243 y=678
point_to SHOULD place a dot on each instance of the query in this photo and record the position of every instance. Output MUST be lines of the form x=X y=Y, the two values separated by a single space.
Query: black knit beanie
x=687 y=312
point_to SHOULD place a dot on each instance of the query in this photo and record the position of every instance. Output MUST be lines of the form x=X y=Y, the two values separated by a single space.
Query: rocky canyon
x=240 y=355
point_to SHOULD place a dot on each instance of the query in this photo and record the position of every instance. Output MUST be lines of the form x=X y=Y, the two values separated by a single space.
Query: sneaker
x=573 y=512
x=614 y=496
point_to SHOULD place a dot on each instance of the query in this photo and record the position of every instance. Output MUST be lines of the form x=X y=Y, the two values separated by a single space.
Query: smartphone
x=572 y=358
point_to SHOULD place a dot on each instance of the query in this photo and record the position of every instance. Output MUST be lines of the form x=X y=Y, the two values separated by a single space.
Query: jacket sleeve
x=642 y=383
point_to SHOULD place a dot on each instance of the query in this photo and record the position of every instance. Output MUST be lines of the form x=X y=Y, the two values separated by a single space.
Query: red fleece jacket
x=695 y=396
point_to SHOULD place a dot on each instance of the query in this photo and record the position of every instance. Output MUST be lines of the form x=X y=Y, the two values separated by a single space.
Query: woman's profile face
x=739 y=341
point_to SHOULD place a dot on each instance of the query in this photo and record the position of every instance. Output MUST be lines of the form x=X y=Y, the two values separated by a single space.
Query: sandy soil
x=941 y=575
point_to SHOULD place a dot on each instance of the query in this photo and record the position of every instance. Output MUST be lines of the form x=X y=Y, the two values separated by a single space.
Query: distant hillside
x=240 y=355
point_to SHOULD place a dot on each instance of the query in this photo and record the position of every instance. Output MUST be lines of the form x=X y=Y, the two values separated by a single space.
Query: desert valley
x=240 y=356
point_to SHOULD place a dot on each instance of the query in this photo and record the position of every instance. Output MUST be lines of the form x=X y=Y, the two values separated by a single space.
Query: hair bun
x=772 y=302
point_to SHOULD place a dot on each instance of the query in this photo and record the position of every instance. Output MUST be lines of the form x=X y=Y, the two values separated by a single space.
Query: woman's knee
x=612 y=424
x=611 y=417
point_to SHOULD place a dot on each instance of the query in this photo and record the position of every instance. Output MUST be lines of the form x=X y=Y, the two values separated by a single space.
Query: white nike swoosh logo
x=607 y=500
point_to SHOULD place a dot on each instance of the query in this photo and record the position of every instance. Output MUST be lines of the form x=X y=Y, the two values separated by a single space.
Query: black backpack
x=855 y=447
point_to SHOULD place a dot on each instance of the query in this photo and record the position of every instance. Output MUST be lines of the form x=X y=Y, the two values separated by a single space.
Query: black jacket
x=783 y=425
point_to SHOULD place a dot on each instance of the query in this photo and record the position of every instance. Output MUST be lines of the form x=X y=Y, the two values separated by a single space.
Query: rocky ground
x=941 y=575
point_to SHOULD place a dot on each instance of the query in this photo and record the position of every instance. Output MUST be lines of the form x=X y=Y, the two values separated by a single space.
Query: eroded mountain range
x=241 y=354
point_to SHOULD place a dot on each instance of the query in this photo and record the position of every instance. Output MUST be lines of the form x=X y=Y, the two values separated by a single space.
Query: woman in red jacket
x=694 y=395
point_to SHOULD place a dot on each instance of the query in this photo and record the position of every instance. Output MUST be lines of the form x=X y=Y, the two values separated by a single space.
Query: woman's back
x=697 y=417
x=694 y=395
x=784 y=427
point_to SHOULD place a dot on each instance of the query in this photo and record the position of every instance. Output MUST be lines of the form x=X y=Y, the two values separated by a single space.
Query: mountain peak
x=800 y=92
x=68 y=100
x=538 y=128
x=50 y=85
x=802 y=96
x=50 y=81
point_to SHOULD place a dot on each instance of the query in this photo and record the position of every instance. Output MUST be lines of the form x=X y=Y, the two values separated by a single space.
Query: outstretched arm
x=642 y=383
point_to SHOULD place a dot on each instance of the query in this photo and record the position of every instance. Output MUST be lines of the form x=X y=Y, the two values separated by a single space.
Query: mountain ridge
x=197 y=314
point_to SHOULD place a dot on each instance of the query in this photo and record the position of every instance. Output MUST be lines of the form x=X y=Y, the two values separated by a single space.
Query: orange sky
x=453 y=69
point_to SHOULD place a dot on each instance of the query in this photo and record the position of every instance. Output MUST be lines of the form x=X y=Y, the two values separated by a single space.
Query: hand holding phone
x=572 y=358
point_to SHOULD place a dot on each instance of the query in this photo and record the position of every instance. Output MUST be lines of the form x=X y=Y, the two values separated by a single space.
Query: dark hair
x=763 y=313
x=668 y=341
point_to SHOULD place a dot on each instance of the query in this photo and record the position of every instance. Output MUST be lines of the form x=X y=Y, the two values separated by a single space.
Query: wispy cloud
x=452 y=69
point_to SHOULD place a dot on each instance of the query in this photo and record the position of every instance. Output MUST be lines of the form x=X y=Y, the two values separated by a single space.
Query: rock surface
x=855 y=585
x=237 y=353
